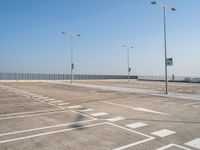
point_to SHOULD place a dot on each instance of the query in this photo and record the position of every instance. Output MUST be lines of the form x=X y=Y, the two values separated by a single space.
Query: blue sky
x=31 y=39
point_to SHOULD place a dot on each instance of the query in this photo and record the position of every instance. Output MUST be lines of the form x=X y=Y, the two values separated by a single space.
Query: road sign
x=129 y=69
x=169 y=62
x=72 y=66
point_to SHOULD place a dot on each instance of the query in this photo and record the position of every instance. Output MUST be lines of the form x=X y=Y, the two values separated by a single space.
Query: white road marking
x=135 y=108
x=31 y=115
x=99 y=114
x=194 y=143
x=75 y=106
x=172 y=145
x=163 y=133
x=136 y=125
x=150 y=111
x=149 y=138
x=49 y=99
x=83 y=114
x=47 y=133
x=56 y=101
x=30 y=112
x=71 y=129
x=20 y=105
x=161 y=101
x=85 y=110
x=62 y=104
x=37 y=96
x=171 y=103
x=48 y=127
x=56 y=105
x=43 y=98
x=196 y=106
x=115 y=119
x=188 y=104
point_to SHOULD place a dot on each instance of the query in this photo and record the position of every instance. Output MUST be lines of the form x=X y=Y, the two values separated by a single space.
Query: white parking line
x=48 y=127
x=92 y=125
x=47 y=133
x=194 y=143
x=99 y=114
x=85 y=110
x=163 y=133
x=43 y=98
x=49 y=99
x=135 y=108
x=188 y=104
x=115 y=119
x=56 y=101
x=150 y=111
x=136 y=125
x=20 y=105
x=75 y=106
x=62 y=104
x=31 y=115
x=196 y=106
x=30 y=112
x=149 y=138
x=172 y=145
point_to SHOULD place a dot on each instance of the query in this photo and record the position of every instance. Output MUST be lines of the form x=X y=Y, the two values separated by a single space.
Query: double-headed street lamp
x=164 y=6
x=71 y=41
x=128 y=64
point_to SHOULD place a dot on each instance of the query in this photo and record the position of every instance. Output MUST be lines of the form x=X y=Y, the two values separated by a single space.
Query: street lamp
x=128 y=64
x=71 y=41
x=164 y=6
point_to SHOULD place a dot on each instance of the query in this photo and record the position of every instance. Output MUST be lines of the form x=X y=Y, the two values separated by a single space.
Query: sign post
x=169 y=62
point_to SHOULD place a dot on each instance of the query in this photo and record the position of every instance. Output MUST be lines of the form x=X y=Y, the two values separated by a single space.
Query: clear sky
x=31 y=39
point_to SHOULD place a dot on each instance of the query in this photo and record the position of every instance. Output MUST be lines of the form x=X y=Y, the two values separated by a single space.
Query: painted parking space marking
x=86 y=110
x=29 y=112
x=49 y=99
x=75 y=106
x=62 y=104
x=99 y=114
x=171 y=146
x=136 y=125
x=52 y=126
x=188 y=104
x=20 y=105
x=150 y=111
x=135 y=108
x=43 y=98
x=148 y=138
x=32 y=115
x=59 y=101
x=115 y=119
x=47 y=133
x=194 y=143
x=163 y=133
x=196 y=106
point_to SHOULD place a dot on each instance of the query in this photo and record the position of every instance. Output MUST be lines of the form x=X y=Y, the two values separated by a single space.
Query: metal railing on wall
x=170 y=78
x=33 y=76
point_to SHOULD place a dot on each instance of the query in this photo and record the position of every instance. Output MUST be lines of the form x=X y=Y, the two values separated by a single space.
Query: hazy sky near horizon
x=31 y=39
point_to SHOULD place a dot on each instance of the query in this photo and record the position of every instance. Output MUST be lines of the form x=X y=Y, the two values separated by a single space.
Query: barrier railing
x=33 y=76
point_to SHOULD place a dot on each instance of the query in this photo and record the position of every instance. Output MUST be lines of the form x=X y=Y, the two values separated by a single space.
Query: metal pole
x=128 y=63
x=165 y=46
x=72 y=65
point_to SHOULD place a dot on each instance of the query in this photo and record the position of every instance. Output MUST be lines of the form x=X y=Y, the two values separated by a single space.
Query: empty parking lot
x=58 y=116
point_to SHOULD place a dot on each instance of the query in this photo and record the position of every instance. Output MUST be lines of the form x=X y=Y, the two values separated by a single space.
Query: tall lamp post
x=164 y=6
x=71 y=44
x=128 y=64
